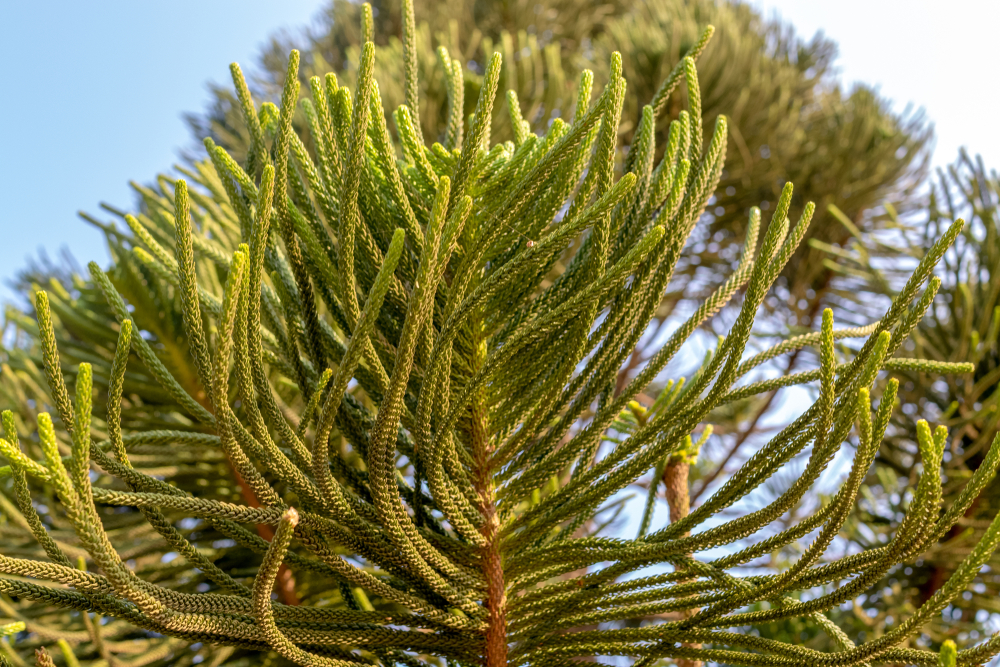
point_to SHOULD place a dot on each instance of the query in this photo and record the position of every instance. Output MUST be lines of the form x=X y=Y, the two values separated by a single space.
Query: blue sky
x=95 y=97
x=96 y=91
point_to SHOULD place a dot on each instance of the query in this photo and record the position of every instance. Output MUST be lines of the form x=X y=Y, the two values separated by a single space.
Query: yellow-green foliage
x=402 y=370
x=964 y=325
x=790 y=119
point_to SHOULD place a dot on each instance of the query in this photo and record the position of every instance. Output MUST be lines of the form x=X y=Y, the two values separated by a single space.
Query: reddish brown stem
x=496 y=592
x=495 y=645
x=675 y=479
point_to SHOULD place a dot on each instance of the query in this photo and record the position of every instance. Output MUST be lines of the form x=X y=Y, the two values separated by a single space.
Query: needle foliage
x=965 y=323
x=790 y=119
x=403 y=412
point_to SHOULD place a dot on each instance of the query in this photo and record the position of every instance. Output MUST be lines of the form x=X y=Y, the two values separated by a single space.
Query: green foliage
x=399 y=364
x=789 y=119
x=963 y=325
x=949 y=654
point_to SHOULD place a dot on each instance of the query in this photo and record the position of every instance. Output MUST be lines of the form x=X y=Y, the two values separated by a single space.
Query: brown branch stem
x=495 y=648
x=675 y=480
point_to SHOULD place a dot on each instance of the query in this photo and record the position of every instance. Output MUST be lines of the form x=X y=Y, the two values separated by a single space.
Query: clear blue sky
x=95 y=97
x=96 y=91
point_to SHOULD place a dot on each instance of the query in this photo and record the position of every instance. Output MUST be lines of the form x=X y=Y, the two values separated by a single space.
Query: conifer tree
x=789 y=118
x=790 y=121
x=403 y=412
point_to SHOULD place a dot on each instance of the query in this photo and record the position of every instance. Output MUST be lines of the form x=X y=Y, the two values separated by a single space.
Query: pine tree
x=789 y=118
x=789 y=121
x=407 y=369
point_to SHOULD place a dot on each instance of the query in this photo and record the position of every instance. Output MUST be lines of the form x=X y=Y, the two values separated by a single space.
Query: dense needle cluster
x=407 y=355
